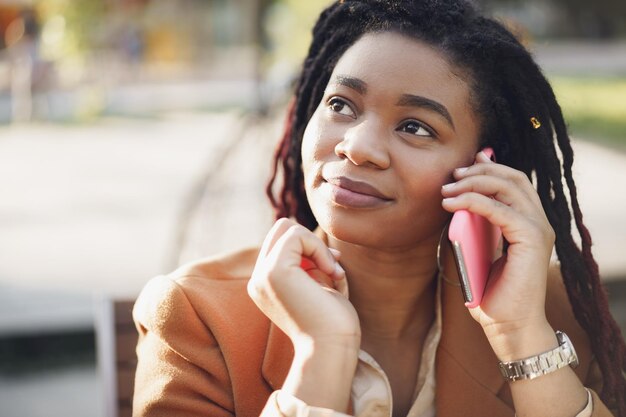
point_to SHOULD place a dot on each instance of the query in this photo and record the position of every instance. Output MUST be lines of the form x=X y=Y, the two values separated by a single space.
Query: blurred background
x=137 y=134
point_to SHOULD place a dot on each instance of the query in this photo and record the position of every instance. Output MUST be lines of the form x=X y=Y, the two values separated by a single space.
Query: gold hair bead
x=535 y=122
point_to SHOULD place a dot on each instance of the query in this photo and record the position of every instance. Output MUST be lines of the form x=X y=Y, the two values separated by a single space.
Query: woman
x=351 y=306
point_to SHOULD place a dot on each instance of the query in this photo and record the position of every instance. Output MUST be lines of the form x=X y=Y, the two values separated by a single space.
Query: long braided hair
x=520 y=119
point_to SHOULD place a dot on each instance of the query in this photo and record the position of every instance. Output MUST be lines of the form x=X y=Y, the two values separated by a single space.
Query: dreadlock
x=508 y=90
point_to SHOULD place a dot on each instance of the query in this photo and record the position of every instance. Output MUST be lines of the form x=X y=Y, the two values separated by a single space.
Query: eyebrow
x=409 y=100
x=354 y=83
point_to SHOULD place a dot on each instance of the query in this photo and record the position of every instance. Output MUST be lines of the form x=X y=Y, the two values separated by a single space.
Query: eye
x=340 y=106
x=415 y=128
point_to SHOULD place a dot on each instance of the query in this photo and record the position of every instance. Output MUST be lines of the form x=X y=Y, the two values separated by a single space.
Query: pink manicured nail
x=339 y=271
x=335 y=252
x=485 y=156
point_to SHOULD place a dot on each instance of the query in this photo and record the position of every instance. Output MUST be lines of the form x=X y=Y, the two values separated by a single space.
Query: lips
x=357 y=187
x=354 y=194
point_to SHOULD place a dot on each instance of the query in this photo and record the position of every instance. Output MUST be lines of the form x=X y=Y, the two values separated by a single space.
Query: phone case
x=474 y=242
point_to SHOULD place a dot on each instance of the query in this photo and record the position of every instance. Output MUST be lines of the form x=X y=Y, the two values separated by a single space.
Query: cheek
x=309 y=141
x=426 y=192
x=318 y=143
x=424 y=180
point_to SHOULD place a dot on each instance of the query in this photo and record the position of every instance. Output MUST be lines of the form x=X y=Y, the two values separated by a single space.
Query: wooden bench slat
x=125 y=345
x=125 y=384
x=117 y=341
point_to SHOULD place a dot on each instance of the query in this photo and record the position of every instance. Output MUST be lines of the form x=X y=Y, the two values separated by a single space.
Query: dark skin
x=397 y=117
x=400 y=134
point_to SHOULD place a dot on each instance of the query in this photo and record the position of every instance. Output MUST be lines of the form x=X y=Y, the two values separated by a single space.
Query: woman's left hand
x=512 y=310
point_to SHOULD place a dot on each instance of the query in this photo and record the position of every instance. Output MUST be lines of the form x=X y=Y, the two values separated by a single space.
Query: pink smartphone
x=474 y=243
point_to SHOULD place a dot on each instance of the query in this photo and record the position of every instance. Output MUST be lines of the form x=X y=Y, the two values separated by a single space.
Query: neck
x=392 y=290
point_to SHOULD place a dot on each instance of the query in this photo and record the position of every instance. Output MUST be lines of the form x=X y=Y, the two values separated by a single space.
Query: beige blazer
x=205 y=349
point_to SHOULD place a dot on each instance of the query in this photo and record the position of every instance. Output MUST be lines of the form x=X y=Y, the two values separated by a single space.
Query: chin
x=371 y=229
x=359 y=228
x=343 y=224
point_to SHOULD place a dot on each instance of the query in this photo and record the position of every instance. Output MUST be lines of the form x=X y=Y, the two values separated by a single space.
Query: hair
x=508 y=90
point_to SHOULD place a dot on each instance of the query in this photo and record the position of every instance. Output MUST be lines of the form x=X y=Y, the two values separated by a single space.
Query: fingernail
x=339 y=271
x=484 y=155
x=449 y=186
x=449 y=200
x=335 y=252
x=461 y=170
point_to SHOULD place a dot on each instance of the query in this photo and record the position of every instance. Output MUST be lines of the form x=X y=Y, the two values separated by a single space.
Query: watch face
x=567 y=343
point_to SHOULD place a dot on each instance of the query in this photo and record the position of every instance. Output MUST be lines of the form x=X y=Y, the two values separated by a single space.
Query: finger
x=495 y=212
x=336 y=253
x=483 y=157
x=277 y=230
x=491 y=168
x=308 y=264
x=342 y=286
x=515 y=226
x=485 y=166
x=322 y=278
x=499 y=188
x=297 y=242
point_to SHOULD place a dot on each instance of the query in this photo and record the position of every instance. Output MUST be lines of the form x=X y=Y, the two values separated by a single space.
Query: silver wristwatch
x=542 y=364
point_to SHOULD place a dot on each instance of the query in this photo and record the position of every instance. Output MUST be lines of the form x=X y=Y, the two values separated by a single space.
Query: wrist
x=308 y=345
x=523 y=342
x=321 y=374
x=310 y=350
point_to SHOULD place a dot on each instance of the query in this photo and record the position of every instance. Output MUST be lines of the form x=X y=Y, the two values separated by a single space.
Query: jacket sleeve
x=180 y=370
x=593 y=382
x=281 y=404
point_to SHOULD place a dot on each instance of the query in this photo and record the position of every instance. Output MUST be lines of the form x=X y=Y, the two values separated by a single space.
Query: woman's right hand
x=320 y=321
x=304 y=304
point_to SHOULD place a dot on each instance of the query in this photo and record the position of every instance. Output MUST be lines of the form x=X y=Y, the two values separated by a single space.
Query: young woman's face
x=394 y=122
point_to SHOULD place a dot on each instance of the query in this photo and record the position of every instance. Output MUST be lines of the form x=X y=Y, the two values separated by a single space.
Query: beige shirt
x=371 y=391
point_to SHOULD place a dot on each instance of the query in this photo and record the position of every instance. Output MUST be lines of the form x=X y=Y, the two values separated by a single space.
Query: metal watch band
x=542 y=364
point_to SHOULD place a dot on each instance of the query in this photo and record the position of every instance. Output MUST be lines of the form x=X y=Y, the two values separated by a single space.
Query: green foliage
x=289 y=26
x=82 y=20
x=595 y=108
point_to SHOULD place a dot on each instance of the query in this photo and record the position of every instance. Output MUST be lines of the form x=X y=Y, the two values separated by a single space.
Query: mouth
x=358 y=187
x=355 y=194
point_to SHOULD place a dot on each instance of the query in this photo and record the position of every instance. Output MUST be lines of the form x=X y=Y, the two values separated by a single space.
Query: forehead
x=399 y=64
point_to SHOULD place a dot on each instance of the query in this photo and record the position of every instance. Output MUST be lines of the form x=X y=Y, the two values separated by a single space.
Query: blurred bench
x=116 y=339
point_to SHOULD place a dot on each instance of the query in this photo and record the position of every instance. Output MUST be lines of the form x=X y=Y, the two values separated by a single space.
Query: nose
x=365 y=144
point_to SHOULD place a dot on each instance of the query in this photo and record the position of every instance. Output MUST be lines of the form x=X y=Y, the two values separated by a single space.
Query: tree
x=600 y=19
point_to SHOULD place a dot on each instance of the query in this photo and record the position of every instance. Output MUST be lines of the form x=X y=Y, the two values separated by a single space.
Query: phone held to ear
x=474 y=243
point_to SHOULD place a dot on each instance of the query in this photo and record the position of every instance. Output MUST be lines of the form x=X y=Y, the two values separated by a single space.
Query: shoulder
x=202 y=340
x=205 y=296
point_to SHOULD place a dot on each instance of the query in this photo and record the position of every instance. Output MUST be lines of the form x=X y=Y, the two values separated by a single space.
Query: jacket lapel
x=278 y=357
x=467 y=376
